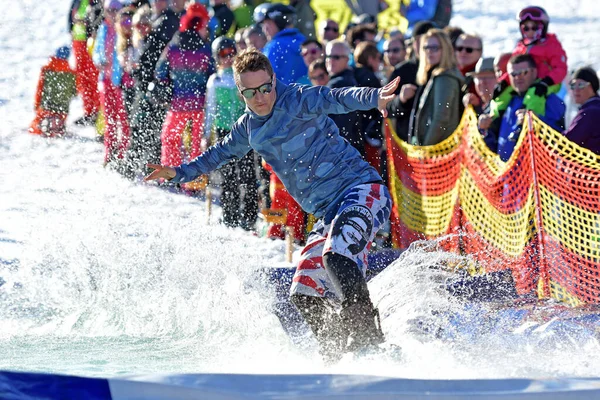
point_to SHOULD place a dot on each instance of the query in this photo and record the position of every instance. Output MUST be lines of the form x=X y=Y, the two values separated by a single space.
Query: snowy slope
x=106 y=277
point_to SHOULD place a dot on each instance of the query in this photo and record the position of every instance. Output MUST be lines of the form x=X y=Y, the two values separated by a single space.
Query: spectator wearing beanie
x=584 y=128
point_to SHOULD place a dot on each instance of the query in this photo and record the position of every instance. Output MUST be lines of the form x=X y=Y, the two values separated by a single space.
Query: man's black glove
x=541 y=87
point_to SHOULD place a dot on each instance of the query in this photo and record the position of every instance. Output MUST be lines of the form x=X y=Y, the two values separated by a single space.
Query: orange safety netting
x=538 y=214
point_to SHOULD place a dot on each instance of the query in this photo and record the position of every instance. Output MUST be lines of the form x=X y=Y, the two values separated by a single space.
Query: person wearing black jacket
x=407 y=71
x=151 y=98
x=337 y=56
x=368 y=60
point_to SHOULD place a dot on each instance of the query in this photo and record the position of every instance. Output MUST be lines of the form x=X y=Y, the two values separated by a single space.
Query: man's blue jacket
x=283 y=51
x=509 y=131
x=301 y=143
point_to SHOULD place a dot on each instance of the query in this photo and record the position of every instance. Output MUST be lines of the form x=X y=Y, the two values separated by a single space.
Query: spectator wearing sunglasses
x=437 y=101
x=522 y=72
x=330 y=30
x=337 y=57
x=239 y=197
x=290 y=128
x=394 y=52
x=407 y=72
x=584 y=128
x=311 y=51
x=549 y=56
x=283 y=47
x=317 y=72
x=468 y=51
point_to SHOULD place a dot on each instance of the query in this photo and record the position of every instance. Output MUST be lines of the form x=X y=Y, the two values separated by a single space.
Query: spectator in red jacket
x=546 y=50
x=56 y=88
x=584 y=128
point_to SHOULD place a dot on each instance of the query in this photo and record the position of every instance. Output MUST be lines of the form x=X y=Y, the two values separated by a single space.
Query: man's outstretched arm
x=234 y=145
x=321 y=99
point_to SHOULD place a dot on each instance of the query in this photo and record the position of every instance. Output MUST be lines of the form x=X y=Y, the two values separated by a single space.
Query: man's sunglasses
x=331 y=28
x=393 y=50
x=310 y=51
x=265 y=88
x=579 y=85
x=469 y=50
x=522 y=72
x=319 y=77
x=335 y=56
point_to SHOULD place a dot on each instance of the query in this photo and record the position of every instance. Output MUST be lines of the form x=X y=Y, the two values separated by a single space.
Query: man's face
x=582 y=91
x=394 y=52
x=257 y=41
x=522 y=76
x=260 y=103
x=484 y=85
x=318 y=77
x=337 y=60
x=270 y=29
x=468 y=51
x=331 y=31
x=178 y=5
x=310 y=53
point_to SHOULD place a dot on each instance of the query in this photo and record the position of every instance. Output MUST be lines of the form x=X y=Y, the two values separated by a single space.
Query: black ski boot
x=358 y=315
x=325 y=324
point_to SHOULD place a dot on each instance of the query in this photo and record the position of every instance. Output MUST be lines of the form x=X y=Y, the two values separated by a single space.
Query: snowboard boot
x=358 y=315
x=325 y=324
x=364 y=326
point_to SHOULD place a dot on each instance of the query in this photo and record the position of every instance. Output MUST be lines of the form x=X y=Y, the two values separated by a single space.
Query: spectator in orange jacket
x=55 y=90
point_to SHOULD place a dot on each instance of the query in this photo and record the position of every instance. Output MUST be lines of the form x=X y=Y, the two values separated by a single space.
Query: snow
x=108 y=277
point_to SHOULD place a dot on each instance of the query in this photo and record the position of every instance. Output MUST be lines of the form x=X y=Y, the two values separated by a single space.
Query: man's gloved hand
x=541 y=87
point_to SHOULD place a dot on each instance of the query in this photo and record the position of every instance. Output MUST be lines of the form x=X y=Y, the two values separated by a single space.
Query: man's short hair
x=465 y=36
x=310 y=41
x=253 y=30
x=521 y=58
x=340 y=43
x=317 y=64
x=251 y=60
x=359 y=32
x=365 y=50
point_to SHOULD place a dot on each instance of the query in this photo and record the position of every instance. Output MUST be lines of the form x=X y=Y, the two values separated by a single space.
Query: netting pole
x=538 y=214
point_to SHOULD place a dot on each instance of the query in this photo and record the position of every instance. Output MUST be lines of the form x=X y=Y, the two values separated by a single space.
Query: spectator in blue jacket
x=288 y=125
x=523 y=74
x=584 y=128
x=283 y=48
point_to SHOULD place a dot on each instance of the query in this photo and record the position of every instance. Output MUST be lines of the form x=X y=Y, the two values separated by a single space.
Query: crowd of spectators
x=159 y=79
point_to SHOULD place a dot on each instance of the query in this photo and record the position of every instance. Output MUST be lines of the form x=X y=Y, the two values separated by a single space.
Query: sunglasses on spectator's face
x=306 y=52
x=433 y=49
x=522 y=72
x=265 y=88
x=527 y=28
x=579 y=85
x=336 y=56
x=331 y=28
x=469 y=50
x=319 y=77
x=394 y=50
x=226 y=52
